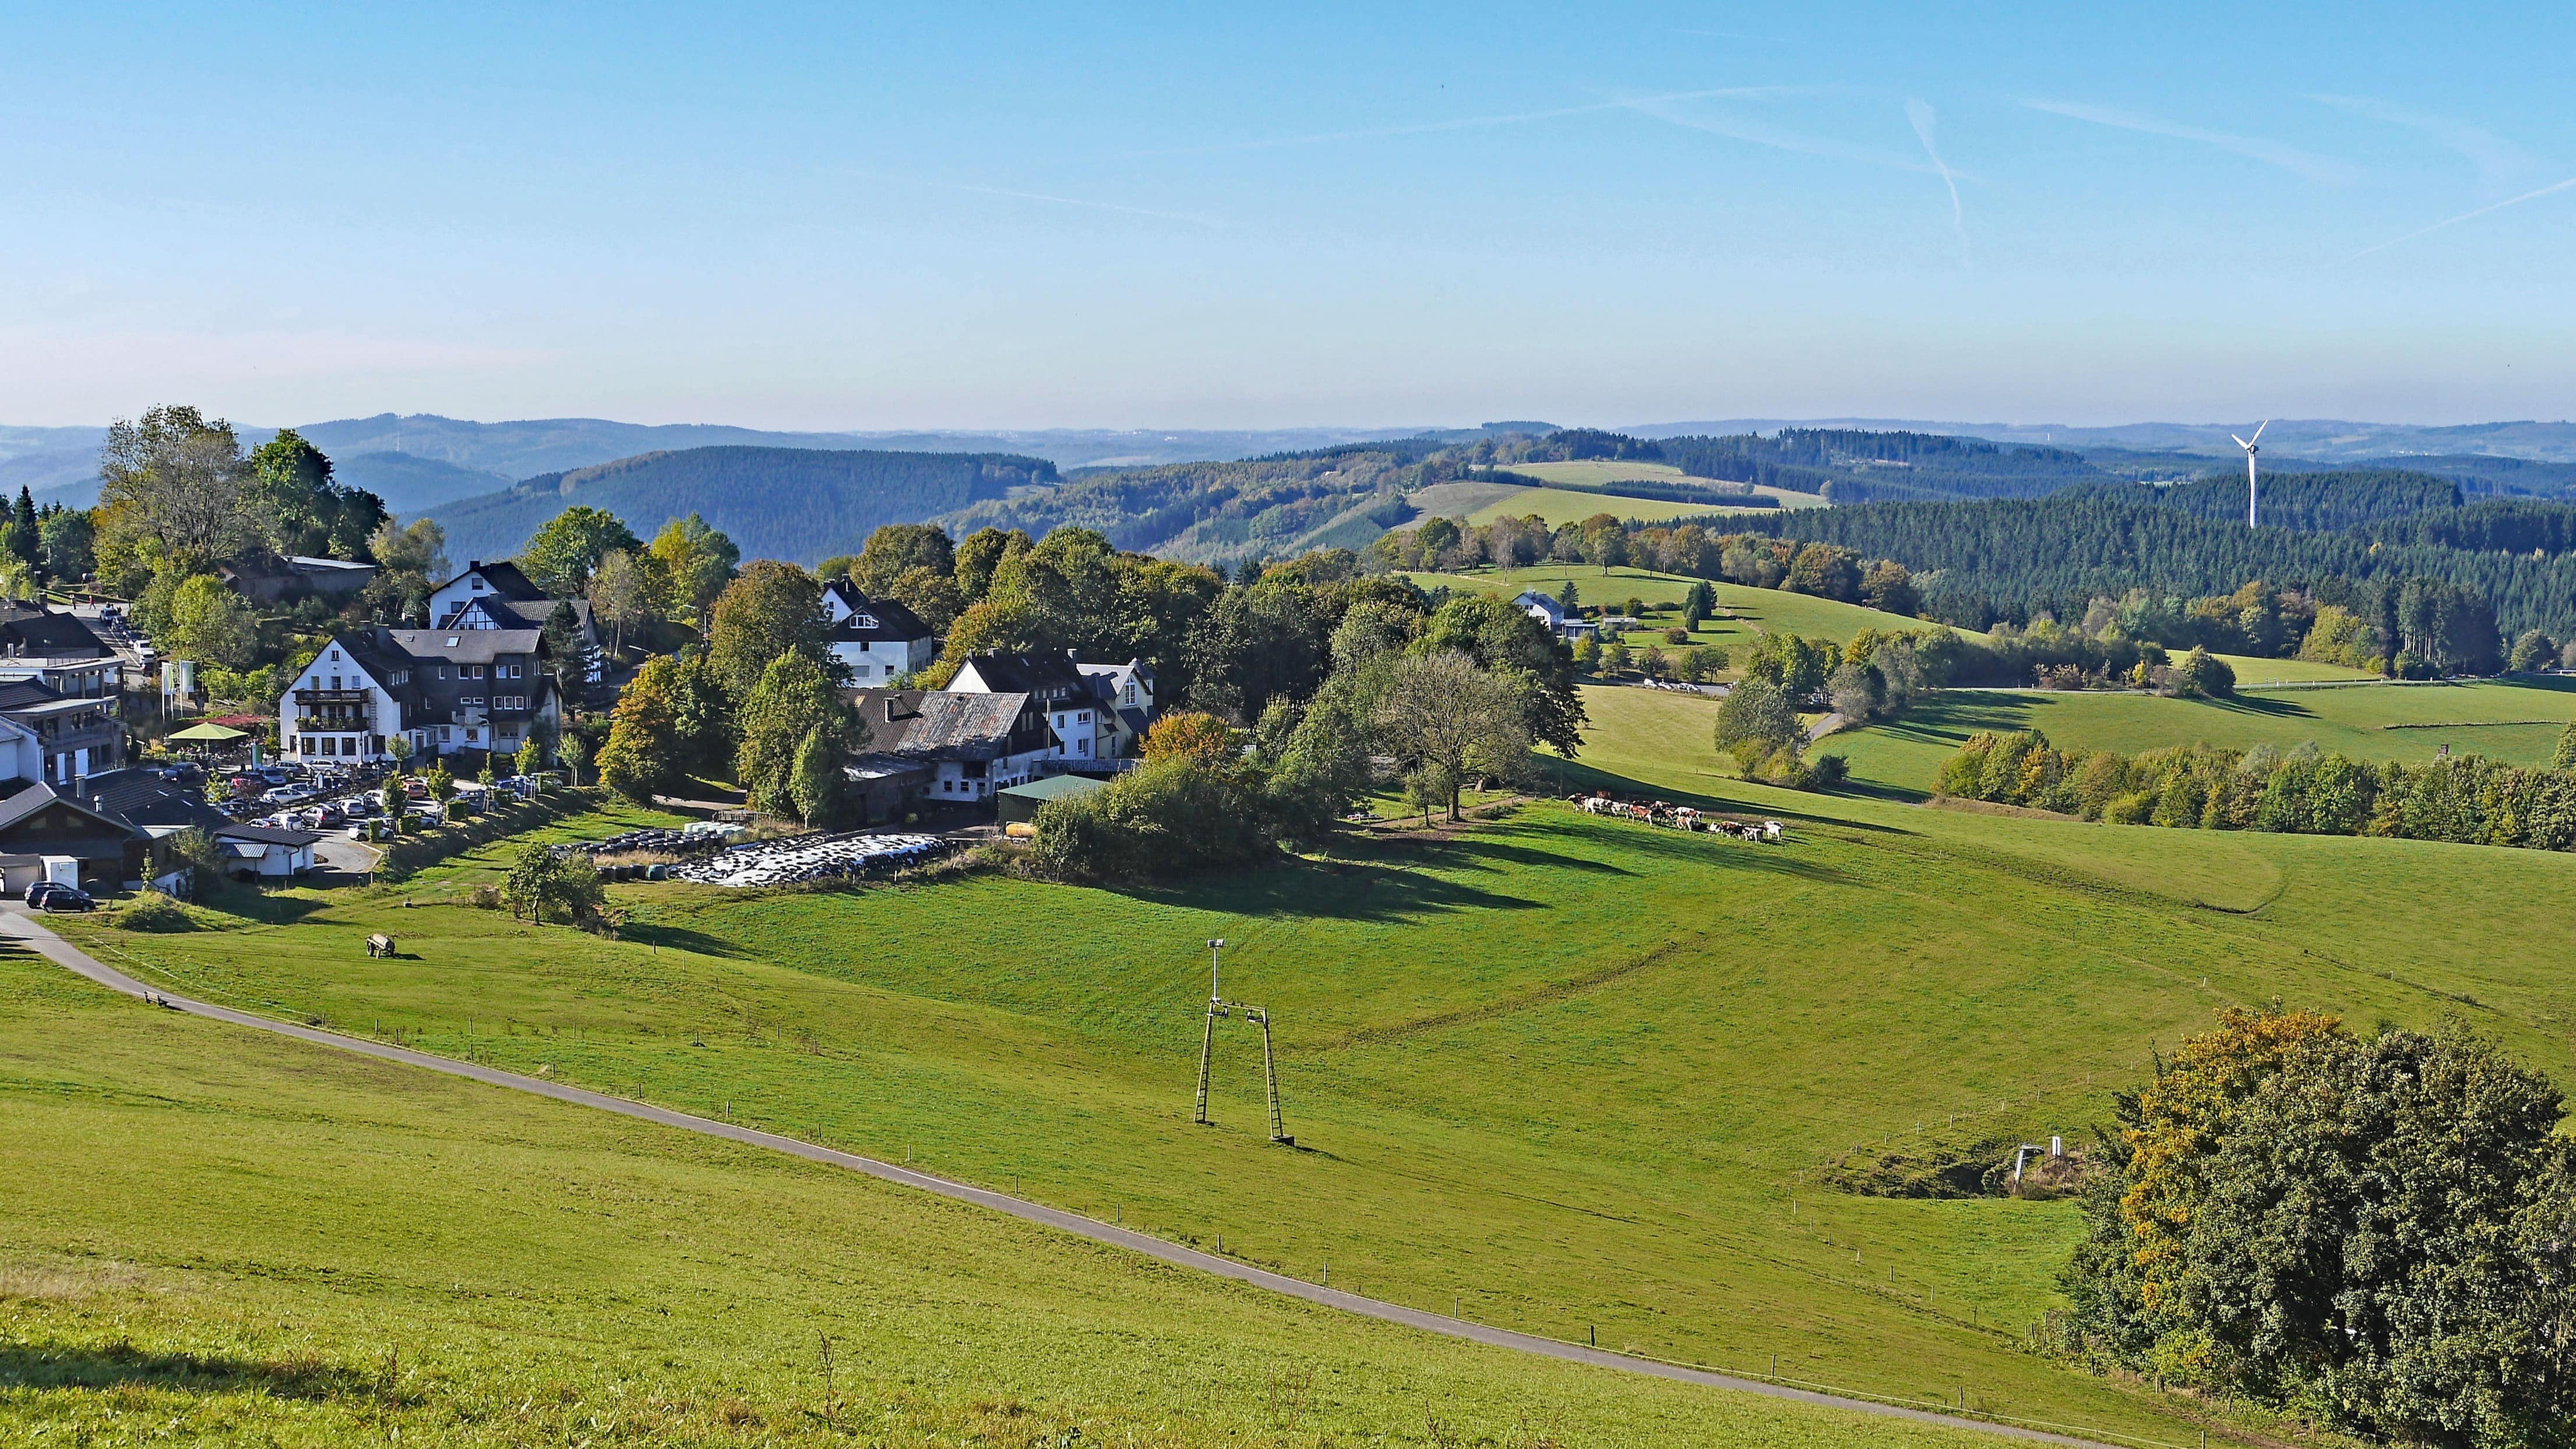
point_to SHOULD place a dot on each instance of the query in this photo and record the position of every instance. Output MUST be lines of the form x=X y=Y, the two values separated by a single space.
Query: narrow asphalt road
x=15 y=922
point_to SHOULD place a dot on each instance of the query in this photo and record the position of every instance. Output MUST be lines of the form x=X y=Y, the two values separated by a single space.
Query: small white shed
x=265 y=852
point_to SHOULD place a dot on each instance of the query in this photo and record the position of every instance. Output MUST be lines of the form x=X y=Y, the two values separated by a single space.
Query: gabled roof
x=939 y=724
x=27 y=693
x=266 y=835
x=32 y=630
x=1029 y=673
x=891 y=620
x=503 y=578
x=464 y=646
x=531 y=613
x=140 y=797
x=35 y=798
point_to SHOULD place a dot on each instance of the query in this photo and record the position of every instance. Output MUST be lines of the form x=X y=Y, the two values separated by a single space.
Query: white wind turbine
x=2250 y=450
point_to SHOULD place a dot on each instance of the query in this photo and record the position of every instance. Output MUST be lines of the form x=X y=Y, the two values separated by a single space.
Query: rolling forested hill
x=789 y=503
x=2006 y=558
x=1271 y=507
x=2316 y=501
x=1844 y=465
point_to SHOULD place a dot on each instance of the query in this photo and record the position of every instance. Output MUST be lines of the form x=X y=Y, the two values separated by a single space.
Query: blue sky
x=1180 y=216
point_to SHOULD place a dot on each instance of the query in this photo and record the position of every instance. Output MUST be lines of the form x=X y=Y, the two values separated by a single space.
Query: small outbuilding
x=265 y=852
x=1019 y=804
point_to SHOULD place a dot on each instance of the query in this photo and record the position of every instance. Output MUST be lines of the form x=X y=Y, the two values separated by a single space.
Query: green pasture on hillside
x=2515 y=720
x=1745 y=610
x=1606 y=472
x=215 y=1237
x=1557 y=507
x=1570 y=1074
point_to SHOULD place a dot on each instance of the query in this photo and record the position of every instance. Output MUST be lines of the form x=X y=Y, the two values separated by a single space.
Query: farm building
x=1019 y=804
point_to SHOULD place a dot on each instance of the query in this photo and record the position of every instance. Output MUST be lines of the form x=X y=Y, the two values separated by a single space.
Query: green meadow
x=215 y=1237
x=1557 y=507
x=2515 y=720
x=1744 y=611
x=1603 y=472
x=1568 y=1075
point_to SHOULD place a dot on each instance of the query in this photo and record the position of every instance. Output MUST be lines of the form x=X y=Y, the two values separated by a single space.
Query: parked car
x=37 y=892
x=66 y=898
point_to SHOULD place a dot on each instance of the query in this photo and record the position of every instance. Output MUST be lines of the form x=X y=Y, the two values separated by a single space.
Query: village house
x=1561 y=622
x=878 y=640
x=1126 y=694
x=441 y=691
x=1058 y=687
x=945 y=747
x=499 y=596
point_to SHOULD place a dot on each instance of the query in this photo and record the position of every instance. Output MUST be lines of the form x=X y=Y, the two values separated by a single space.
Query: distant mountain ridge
x=2326 y=440
x=799 y=504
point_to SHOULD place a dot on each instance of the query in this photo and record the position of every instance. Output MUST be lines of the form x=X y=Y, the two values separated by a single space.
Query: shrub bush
x=1172 y=817
x=152 y=911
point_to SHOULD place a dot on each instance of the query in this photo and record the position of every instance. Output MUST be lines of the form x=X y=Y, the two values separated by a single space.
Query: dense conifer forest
x=2012 y=558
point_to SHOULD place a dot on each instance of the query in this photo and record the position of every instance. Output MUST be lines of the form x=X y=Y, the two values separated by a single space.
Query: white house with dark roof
x=1560 y=621
x=1056 y=687
x=500 y=596
x=879 y=640
x=480 y=581
x=439 y=690
x=1126 y=694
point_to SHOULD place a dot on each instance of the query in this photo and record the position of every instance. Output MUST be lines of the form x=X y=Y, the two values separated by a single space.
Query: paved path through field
x=16 y=923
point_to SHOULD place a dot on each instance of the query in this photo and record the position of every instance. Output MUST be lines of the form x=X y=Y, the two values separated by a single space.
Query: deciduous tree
x=561 y=557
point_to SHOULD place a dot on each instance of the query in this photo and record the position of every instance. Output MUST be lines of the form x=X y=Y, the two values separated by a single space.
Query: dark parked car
x=46 y=895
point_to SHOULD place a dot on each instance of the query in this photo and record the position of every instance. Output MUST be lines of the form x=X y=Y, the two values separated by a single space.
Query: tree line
x=1259 y=652
x=2012 y=559
x=2461 y=799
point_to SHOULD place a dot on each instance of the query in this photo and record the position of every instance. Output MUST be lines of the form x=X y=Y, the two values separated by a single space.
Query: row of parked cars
x=358 y=812
x=48 y=895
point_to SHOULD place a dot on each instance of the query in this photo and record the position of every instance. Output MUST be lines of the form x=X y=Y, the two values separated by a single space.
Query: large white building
x=879 y=640
x=440 y=691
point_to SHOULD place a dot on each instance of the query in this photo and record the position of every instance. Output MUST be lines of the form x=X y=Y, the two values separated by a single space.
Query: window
x=335 y=681
x=335 y=656
x=443 y=734
x=474 y=671
x=470 y=733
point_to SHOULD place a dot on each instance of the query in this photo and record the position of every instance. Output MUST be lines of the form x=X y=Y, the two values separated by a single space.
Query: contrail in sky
x=2270 y=153
x=2495 y=157
x=2465 y=216
x=1921 y=115
x=1466 y=123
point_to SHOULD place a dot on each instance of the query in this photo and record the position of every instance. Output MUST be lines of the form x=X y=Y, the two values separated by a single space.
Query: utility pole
x=1217 y=1008
x=1207 y=1042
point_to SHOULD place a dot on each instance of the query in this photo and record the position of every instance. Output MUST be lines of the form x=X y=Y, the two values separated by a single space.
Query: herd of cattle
x=1677 y=817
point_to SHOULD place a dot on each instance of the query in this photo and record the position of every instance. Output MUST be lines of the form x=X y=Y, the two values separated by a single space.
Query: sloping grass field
x=2515 y=720
x=215 y=1237
x=1565 y=1074
x=1604 y=472
x=1557 y=507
